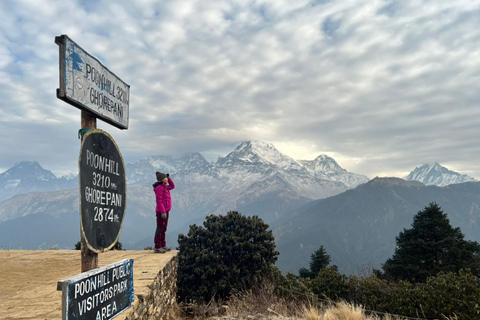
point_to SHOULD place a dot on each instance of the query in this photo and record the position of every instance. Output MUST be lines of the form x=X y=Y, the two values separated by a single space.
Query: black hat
x=160 y=176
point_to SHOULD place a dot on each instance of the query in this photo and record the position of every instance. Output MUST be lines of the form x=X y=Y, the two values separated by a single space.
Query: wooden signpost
x=88 y=85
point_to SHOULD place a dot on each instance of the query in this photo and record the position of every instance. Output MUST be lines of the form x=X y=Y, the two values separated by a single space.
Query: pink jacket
x=162 y=194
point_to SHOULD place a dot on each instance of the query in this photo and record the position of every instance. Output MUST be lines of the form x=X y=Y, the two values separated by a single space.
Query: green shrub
x=294 y=288
x=330 y=284
x=370 y=291
x=229 y=253
x=451 y=293
x=447 y=294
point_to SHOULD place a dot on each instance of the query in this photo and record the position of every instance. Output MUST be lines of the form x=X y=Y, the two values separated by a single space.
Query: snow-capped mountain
x=144 y=170
x=436 y=175
x=261 y=154
x=253 y=168
x=27 y=176
x=26 y=169
x=325 y=167
x=266 y=156
x=262 y=163
x=247 y=159
x=254 y=179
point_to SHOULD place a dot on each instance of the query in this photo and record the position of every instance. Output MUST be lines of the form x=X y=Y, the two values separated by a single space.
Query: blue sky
x=381 y=86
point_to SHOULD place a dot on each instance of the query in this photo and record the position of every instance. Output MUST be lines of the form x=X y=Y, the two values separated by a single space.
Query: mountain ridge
x=29 y=176
x=358 y=227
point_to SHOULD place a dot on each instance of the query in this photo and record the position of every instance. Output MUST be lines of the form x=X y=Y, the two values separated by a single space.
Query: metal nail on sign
x=86 y=84
x=99 y=294
x=103 y=190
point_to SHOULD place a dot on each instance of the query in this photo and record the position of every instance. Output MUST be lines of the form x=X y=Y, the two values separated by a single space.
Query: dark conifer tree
x=319 y=260
x=432 y=245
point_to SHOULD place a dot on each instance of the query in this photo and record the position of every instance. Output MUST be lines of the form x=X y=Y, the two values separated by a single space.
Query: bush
x=369 y=291
x=294 y=288
x=330 y=284
x=229 y=253
x=446 y=295
x=451 y=293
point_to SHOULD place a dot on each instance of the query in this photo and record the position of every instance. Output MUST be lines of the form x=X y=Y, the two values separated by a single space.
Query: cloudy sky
x=381 y=86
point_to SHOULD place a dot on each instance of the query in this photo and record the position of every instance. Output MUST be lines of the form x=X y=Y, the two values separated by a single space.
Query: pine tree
x=318 y=261
x=229 y=253
x=432 y=245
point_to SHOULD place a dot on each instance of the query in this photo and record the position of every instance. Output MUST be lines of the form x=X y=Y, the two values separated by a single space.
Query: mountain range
x=254 y=179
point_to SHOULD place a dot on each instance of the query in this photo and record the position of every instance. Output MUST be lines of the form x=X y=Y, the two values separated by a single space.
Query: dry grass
x=264 y=304
x=310 y=312
x=260 y=303
x=340 y=311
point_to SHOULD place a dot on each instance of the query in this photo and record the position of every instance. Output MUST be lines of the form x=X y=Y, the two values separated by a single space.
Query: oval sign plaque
x=103 y=190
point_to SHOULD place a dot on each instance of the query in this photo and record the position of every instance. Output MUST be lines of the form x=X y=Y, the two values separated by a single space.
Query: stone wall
x=159 y=300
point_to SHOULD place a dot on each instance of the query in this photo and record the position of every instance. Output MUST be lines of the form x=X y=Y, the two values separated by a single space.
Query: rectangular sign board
x=86 y=84
x=99 y=294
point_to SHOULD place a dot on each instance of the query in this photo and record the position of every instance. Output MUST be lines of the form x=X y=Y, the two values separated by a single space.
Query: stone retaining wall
x=159 y=300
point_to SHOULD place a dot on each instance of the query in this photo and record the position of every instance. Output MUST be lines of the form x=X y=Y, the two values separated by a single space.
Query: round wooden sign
x=103 y=190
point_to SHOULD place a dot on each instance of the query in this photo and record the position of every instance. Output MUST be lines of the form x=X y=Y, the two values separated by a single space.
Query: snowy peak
x=27 y=170
x=145 y=169
x=435 y=174
x=194 y=161
x=258 y=153
x=191 y=161
x=325 y=167
x=257 y=156
x=27 y=176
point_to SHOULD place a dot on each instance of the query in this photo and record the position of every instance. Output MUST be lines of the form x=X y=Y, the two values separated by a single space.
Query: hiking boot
x=167 y=249
x=159 y=250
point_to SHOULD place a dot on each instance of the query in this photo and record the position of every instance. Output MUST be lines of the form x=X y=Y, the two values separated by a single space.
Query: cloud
x=384 y=86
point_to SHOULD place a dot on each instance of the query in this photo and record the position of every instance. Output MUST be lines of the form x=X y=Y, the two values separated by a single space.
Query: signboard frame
x=112 y=281
x=102 y=194
x=88 y=85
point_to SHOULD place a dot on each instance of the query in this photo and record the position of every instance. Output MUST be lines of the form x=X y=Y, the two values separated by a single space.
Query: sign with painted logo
x=87 y=84
x=103 y=190
x=99 y=294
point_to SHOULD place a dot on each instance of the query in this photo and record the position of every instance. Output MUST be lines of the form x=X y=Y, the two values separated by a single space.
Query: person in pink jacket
x=164 y=204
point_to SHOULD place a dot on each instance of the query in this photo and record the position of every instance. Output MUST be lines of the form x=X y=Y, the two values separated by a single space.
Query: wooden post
x=89 y=258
